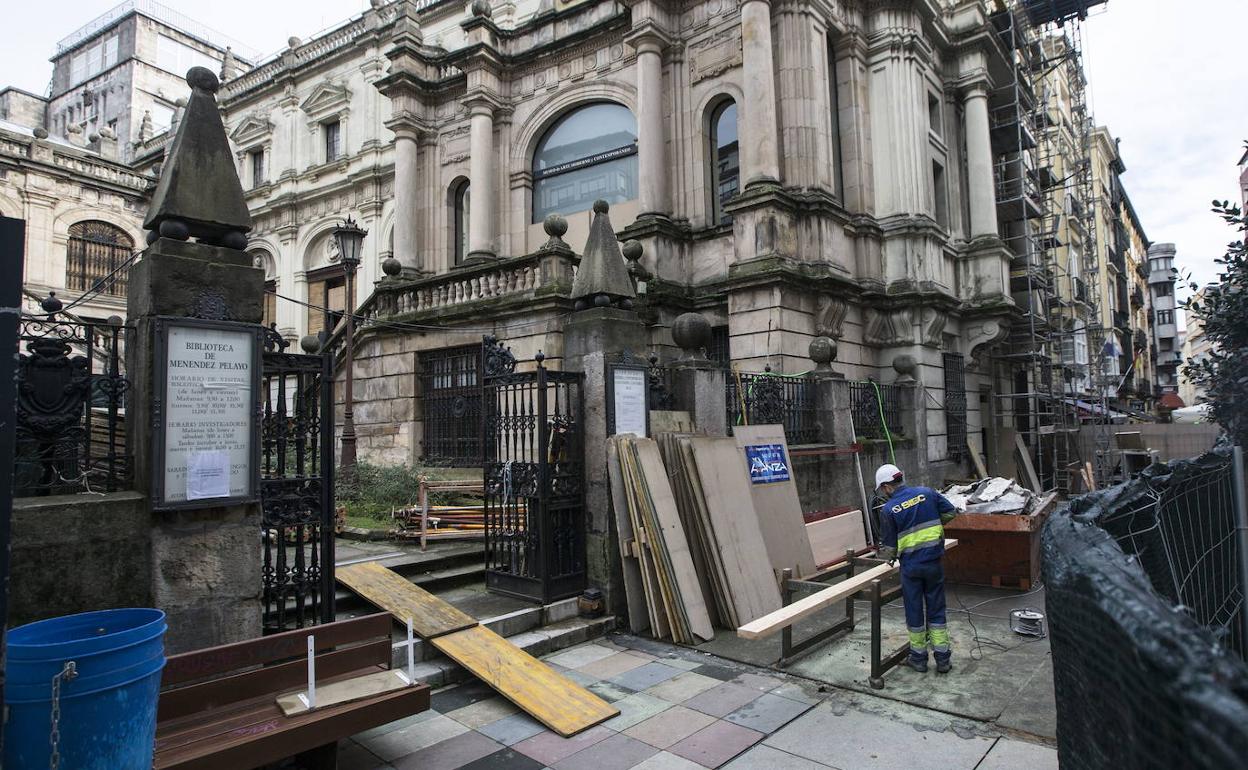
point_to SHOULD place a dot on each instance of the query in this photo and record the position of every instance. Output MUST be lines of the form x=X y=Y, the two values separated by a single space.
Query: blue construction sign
x=768 y=463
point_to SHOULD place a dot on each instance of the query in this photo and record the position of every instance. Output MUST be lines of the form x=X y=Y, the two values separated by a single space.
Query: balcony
x=1081 y=290
x=1122 y=321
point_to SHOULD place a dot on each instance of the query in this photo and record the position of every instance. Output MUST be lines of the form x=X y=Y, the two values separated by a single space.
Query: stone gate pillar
x=205 y=561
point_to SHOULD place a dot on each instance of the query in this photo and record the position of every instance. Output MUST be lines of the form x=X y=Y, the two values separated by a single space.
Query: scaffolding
x=1042 y=146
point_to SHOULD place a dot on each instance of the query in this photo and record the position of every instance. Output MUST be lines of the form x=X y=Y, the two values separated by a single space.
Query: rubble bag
x=107 y=706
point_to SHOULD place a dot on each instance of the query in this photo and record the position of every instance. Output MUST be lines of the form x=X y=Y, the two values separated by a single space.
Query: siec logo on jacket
x=909 y=503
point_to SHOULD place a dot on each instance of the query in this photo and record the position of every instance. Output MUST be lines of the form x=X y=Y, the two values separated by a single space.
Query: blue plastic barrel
x=108 y=710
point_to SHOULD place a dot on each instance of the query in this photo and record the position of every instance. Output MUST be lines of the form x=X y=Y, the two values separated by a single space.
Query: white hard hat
x=887 y=473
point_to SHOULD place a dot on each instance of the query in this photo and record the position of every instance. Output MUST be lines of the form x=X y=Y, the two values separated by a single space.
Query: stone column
x=481 y=222
x=760 y=152
x=979 y=164
x=406 y=196
x=651 y=139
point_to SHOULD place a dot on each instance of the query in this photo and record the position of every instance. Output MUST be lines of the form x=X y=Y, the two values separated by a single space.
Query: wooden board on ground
x=803 y=608
x=345 y=691
x=634 y=590
x=778 y=507
x=1029 y=470
x=978 y=462
x=431 y=617
x=673 y=541
x=662 y=421
x=832 y=537
x=552 y=699
x=733 y=530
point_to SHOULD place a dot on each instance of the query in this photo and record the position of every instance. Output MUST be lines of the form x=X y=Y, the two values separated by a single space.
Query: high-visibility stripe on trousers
x=923 y=591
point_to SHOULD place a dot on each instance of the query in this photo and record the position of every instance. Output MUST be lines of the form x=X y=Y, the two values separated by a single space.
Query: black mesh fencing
x=1145 y=604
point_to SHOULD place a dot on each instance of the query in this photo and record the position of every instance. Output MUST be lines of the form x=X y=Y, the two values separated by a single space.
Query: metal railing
x=71 y=396
x=774 y=399
x=160 y=13
x=876 y=410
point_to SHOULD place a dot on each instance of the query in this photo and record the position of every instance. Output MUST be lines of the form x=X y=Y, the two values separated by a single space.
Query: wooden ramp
x=550 y=698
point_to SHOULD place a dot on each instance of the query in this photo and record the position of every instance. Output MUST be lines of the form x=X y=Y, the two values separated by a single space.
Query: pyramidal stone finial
x=199 y=195
x=602 y=279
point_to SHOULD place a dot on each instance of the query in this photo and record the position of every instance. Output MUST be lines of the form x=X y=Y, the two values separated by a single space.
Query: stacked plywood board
x=713 y=496
x=831 y=538
x=764 y=452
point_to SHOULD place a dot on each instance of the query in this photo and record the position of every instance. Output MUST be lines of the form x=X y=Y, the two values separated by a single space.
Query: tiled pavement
x=684 y=710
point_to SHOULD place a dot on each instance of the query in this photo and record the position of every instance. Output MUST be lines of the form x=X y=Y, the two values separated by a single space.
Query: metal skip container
x=82 y=690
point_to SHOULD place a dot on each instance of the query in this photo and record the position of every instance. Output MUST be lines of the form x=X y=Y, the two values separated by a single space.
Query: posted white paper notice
x=208 y=474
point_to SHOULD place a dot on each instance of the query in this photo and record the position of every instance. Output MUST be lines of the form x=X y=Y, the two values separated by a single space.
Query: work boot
x=944 y=666
x=917 y=665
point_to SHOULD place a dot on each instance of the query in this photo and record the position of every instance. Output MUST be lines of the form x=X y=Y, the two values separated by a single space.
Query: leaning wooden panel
x=634 y=590
x=550 y=698
x=431 y=617
x=777 y=504
x=831 y=538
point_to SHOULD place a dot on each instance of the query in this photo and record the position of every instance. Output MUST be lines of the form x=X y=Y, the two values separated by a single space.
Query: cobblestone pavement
x=684 y=710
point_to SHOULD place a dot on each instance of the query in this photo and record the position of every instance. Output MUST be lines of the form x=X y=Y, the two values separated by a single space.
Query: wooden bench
x=218 y=706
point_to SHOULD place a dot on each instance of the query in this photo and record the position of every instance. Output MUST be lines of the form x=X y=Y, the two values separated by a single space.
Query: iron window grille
x=450 y=386
x=95 y=255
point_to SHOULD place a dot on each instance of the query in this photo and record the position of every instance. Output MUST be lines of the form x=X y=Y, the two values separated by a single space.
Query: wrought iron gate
x=297 y=487
x=532 y=438
x=955 y=405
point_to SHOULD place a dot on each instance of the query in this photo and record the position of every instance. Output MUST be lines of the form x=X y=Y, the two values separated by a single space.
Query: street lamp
x=350 y=238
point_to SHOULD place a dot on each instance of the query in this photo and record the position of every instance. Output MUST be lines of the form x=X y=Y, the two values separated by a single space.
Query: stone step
x=433 y=582
x=439 y=671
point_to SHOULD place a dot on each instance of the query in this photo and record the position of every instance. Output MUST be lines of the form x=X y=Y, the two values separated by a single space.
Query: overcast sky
x=1161 y=74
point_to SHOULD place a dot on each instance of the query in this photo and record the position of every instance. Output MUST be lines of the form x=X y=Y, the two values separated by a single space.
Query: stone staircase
x=456 y=574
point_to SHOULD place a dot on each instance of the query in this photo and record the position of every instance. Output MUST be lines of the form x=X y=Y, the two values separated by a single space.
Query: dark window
x=270 y=303
x=450 y=389
x=718 y=350
x=725 y=160
x=333 y=140
x=1164 y=290
x=834 y=105
x=590 y=154
x=257 y=167
x=1165 y=317
x=460 y=218
x=95 y=255
x=940 y=195
x=934 y=120
x=327 y=290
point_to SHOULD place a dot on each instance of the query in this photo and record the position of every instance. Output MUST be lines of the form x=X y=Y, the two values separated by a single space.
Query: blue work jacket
x=912 y=522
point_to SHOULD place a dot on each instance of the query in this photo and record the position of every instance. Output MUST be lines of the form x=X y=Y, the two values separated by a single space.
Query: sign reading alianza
x=206 y=417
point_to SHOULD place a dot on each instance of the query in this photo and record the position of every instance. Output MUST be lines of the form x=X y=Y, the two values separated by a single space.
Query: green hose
x=879 y=402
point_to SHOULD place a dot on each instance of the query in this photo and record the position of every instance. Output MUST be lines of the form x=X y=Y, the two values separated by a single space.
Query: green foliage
x=1224 y=312
x=375 y=489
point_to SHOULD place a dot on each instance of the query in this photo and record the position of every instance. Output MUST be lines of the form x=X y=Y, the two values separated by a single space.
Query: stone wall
x=76 y=553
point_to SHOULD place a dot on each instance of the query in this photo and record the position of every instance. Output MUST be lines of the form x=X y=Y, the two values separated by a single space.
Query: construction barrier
x=1145 y=603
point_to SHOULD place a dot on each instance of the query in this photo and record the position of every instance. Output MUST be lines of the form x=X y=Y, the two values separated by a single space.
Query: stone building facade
x=791 y=170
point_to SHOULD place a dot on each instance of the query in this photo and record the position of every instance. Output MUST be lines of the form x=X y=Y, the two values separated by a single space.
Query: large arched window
x=96 y=253
x=461 y=207
x=591 y=153
x=725 y=160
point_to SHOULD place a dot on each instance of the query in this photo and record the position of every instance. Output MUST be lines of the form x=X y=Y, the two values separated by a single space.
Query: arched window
x=725 y=160
x=96 y=253
x=461 y=203
x=591 y=153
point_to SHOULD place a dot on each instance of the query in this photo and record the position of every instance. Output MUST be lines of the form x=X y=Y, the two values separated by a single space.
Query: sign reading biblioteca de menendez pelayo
x=207 y=419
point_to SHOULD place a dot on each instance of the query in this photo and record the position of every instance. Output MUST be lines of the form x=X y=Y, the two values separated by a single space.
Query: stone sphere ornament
x=311 y=344
x=823 y=352
x=905 y=366
x=692 y=333
x=175 y=229
x=151 y=236
x=41 y=133
x=632 y=250
x=51 y=304
x=203 y=79
x=234 y=240
x=116 y=320
x=391 y=267
x=555 y=225
x=601 y=206
x=602 y=300
x=482 y=9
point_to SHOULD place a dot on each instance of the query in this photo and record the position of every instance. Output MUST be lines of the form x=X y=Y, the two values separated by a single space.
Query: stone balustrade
x=109 y=172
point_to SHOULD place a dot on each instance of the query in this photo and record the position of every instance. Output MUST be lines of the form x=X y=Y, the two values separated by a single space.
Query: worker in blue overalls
x=912 y=530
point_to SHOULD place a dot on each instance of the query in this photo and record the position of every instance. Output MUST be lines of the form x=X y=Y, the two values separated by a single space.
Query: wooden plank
x=1029 y=470
x=778 y=507
x=673 y=539
x=554 y=700
x=213 y=661
x=180 y=701
x=678 y=619
x=660 y=619
x=634 y=591
x=979 y=464
x=708 y=561
x=356 y=688
x=803 y=608
x=733 y=528
x=265 y=741
x=431 y=617
x=832 y=537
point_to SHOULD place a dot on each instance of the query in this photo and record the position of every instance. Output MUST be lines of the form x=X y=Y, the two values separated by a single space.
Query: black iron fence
x=765 y=398
x=876 y=410
x=71 y=399
x=1145 y=599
